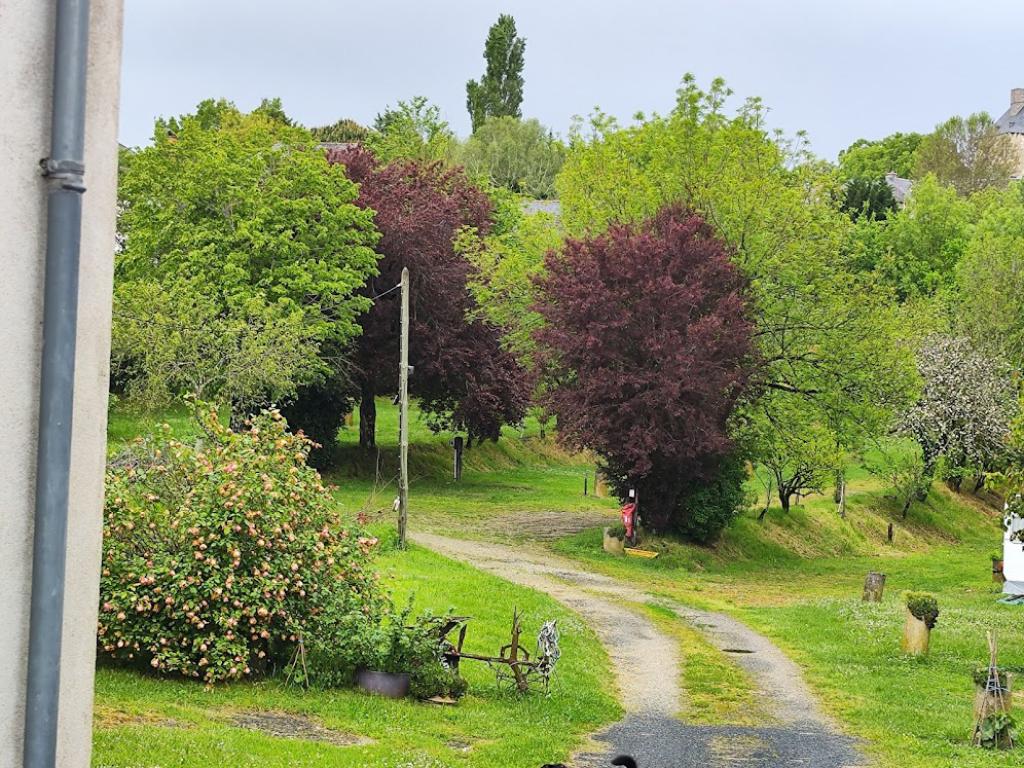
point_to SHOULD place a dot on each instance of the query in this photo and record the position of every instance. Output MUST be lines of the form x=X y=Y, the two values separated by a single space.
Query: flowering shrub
x=220 y=556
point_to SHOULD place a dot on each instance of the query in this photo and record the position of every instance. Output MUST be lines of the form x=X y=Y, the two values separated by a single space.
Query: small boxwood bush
x=220 y=555
x=923 y=606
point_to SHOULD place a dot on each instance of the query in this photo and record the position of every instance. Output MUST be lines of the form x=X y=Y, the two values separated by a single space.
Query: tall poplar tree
x=499 y=93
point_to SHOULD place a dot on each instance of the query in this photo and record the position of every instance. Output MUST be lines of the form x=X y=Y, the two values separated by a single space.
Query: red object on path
x=629 y=519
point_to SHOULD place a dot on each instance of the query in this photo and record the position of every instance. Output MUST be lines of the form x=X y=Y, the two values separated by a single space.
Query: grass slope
x=797 y=578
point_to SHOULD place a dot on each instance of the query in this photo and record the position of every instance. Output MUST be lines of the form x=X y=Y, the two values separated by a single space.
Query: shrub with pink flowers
x=222 y=556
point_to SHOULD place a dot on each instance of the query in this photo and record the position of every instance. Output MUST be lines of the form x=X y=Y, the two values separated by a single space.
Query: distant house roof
x=1012 y=120
x=900 y=187
x=329 y=145
x=543 y=206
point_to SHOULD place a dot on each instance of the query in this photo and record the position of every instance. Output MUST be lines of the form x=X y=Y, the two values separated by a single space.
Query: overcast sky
x=839 y=69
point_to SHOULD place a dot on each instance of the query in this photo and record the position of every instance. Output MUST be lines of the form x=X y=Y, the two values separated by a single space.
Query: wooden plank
x=646 y=554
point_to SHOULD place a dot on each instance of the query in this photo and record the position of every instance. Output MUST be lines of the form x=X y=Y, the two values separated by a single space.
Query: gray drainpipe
x=64 y=169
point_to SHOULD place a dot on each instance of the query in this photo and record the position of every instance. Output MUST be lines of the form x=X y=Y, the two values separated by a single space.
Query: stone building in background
x=1011 y=124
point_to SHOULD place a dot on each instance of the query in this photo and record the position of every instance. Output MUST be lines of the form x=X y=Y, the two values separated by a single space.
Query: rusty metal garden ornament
x=514 y=666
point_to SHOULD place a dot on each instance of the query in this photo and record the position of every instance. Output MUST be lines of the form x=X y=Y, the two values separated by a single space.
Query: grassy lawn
x=797 y=577
x=798 y=580
x=145 y=721
x=516 y=476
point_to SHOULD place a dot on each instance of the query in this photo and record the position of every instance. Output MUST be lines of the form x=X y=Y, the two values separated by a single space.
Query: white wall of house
x=26 y=56
x=1013 y=557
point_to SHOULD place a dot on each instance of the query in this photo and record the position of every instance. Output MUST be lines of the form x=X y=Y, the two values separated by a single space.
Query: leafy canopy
x=343 y=130
x=968 y=153
x=990 y=278
x=829 y=336
x=413 y=130
x=520 y=155
x=873 y=159
x=463 y=377
x=238 y=238
x=499 y=93
x=647 y=349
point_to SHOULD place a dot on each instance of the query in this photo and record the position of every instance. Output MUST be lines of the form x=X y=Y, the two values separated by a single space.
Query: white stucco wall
x=26 y=54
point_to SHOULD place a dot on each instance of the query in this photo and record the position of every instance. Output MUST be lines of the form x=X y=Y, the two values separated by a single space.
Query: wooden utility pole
x=403 y=416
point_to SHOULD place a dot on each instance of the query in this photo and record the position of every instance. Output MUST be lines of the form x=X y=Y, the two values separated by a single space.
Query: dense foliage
x=220 y=557
x=343 y=130
x=412 y=130
x=989 y=279
x=463 y=377
x=873 y=159
x=499 y=93
x=967 y=153
x=520 y=155
x=506 y=265
x=870 y=198
x=915 y=251
x=647 y=348
x=243 y=256
x=828 y=333
x=706 y=508
x=923 y=606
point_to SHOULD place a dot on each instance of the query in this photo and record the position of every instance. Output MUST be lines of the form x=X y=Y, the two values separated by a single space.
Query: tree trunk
x=784 y=498
x=906 y=506
x=874 y=586
x=915 y=635
x=767 y=502
x=367 y=417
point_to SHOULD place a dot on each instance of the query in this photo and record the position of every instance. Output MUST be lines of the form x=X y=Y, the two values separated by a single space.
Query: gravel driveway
x=646 y=664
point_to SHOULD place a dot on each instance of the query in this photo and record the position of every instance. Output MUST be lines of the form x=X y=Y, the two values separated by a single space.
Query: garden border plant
x=226 y=558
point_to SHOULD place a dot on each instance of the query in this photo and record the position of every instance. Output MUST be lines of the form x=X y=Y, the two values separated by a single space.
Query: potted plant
x=993 y=695
x=404 y=658
x=615 y=539
x=922 y=611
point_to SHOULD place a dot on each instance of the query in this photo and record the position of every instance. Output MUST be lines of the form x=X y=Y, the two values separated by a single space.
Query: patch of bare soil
x=109 y=717
x=286 y=725
x=546 y=526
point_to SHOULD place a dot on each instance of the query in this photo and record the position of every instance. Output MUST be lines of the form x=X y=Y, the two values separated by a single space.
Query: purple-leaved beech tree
x=646 y=347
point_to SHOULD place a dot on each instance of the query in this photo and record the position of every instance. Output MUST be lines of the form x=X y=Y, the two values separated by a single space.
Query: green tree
x=413 y=130
x=795 y=446
x=990 y=279
x=273 y=110
x=968 y=153
x=925 y=240
x=829 y=336
x=520 y=155
x=238 y=239
x=873 y=159
x=499 y=93
x=507 y=264
x=343 y=130
x=866 y=197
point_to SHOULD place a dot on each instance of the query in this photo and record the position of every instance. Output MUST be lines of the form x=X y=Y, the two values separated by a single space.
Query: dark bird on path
x=625 y=761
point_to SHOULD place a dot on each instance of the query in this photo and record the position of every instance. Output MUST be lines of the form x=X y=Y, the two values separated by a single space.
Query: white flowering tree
x=963 y=415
